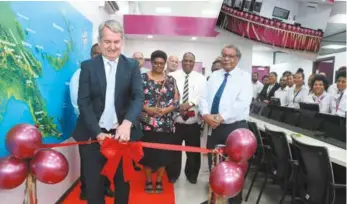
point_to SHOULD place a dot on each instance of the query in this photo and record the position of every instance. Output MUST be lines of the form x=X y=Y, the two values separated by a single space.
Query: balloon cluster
x=227 y=178
x=23 y=142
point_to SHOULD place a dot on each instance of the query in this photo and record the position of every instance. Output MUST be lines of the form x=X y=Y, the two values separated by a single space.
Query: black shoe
x=83 y=196
x=109 y=192
x=192 y=181
x=137 y=168
x=172 y=180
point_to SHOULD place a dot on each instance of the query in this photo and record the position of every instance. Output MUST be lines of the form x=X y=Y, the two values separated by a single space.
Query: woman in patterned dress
x=157 y=119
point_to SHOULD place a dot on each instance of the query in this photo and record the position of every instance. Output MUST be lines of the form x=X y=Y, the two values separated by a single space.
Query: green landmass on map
x=19 y=69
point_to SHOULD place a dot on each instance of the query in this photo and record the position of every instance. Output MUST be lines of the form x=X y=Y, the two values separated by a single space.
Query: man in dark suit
x=269 y=90
x=110 y=100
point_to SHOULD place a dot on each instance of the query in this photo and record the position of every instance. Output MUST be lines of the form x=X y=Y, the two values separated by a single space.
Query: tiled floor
x=186 y=193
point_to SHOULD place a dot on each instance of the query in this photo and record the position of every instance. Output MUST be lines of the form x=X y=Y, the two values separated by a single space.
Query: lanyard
x=296 y=94
x=338 y=100
x=318 y=99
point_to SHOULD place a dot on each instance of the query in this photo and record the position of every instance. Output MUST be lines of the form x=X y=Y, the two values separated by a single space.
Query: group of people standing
x=116 y=98
x=292 y=90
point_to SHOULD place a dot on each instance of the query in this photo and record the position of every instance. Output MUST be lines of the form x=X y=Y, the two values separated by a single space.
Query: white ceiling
x=207 y=9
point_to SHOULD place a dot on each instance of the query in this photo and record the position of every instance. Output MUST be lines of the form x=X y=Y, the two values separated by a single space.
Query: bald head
x=139 y=57
x=172 y=63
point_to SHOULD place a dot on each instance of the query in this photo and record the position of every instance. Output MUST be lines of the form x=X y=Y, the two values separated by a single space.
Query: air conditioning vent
x=111 y=7
x=312 y=5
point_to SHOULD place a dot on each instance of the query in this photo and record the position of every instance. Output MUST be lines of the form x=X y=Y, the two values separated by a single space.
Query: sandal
x=149 y=187
x=159 y=187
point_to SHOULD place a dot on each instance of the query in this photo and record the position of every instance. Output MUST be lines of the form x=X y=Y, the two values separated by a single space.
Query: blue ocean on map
x=46 y=27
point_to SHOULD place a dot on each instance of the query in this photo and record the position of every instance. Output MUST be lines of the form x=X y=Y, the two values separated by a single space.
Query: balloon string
x=144 y=144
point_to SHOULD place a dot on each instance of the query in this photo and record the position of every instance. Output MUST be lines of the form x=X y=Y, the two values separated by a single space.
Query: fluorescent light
x=194 y=38
x=334 y=47
x=150 y=36
x=163 y=10
x=338 y=18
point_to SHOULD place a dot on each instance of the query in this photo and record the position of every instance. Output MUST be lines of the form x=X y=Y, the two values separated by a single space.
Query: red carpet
x=137 y=194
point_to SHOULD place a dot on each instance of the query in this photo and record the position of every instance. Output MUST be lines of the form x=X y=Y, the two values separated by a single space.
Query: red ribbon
x=128 y=152
x=115 y=151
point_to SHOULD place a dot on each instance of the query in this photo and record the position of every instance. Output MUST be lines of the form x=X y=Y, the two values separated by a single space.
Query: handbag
x=145 y=117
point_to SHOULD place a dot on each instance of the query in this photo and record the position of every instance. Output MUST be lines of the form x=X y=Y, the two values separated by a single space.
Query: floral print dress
x=167 y=96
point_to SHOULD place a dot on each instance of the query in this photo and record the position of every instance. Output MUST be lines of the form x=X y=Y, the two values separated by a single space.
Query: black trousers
x=107 y=182
x=219 y=136
x=191 y=135
x=92 y=162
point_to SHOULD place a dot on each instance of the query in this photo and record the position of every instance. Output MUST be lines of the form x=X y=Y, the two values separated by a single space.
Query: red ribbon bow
x=114 y=151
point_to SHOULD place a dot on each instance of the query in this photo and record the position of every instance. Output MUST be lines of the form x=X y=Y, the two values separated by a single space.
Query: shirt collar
x=107 y=60
x=231 y=72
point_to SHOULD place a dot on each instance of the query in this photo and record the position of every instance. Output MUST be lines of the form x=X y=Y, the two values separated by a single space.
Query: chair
x=308 y=120
x=265 y=111
x=284 y=166
x=316 y=174
x=261 y=155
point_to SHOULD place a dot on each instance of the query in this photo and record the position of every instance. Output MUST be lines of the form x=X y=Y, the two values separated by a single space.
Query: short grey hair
x=238 y=52
x=113 y=25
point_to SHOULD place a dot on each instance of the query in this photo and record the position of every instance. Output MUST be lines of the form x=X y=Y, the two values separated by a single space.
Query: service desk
x=337 y=154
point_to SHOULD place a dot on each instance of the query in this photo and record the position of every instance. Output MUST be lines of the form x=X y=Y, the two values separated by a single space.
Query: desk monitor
x=275 y=101
x=333 y=126
x=309 y=106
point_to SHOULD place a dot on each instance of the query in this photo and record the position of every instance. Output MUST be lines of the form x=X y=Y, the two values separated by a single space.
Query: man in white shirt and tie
x=110 y=100
x=95 y=51
x=191 y=85
x=226 y=101
x=257 y=85
x=282 y=92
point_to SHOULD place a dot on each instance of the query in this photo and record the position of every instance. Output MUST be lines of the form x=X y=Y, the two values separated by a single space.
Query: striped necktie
x=186 y=90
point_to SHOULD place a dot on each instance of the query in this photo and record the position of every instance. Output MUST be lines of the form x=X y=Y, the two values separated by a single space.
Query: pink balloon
x=49 y=166
x=13 y=172
x=22 y=141
x=241 y=145
x=227 y=179
x=244 y=166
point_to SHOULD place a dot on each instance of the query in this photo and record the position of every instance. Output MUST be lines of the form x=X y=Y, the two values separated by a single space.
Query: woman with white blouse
x=319 y=95
x=298 y=93
x=339 y=97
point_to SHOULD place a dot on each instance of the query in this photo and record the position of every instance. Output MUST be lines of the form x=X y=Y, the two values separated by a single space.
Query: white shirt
x=333 y=89
x=74 y=83
x=236 y=98
x=293 y=99
x=282 y=95
x=324 y=101
x=106 y=116
x=144 y=70
x=339 y=104
x=196 y=83
x=257 y=87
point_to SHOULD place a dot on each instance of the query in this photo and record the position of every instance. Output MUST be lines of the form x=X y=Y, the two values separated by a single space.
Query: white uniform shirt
x=338 y=104
x=257 y=87
x=294 y=98
x=324 y=101
x=282 y=95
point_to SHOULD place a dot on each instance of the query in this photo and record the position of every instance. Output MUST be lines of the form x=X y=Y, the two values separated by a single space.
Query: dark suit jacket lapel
x=119 y=76
x=100 y=74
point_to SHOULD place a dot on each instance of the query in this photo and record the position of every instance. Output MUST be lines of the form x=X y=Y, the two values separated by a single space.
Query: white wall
x=284 y=62
x=340 y=60
x=314 y=18
x=262 y=58
x=268 y=7
x=205 y=52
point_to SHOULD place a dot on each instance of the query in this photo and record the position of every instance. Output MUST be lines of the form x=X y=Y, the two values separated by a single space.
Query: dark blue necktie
x=218 y=96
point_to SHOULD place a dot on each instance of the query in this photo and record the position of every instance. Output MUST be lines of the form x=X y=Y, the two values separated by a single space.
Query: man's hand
x=102 y=136
x=185 y=107
x=123 y=131
x=266 y=101
x=211 y=120
x=151 y=111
